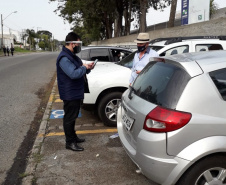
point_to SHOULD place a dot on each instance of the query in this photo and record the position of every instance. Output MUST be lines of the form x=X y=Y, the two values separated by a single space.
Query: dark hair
x=72 y=37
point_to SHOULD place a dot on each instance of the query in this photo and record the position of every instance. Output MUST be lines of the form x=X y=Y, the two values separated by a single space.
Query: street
x=23 y=79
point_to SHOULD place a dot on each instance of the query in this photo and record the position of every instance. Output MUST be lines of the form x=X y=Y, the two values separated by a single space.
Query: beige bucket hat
x=142 y=38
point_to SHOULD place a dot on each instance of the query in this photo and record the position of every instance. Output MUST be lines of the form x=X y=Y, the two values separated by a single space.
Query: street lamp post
x=2 y=31
x=2 y=25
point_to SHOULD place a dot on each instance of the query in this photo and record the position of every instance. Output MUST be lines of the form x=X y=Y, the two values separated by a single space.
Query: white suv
x=107 y=82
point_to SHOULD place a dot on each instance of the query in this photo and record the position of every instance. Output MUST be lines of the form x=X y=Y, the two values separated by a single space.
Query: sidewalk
x=100 y=163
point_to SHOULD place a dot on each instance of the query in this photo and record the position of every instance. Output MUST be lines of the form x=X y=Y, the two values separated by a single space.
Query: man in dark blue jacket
x=72 y=84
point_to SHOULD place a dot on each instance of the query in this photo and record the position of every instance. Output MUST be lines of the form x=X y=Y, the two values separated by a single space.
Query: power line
x=11 y=28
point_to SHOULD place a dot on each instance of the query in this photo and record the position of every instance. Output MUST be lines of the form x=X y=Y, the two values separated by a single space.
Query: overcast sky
x=39 y=15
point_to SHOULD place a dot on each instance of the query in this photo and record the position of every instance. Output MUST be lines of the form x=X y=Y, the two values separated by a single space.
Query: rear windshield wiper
x=131 y=89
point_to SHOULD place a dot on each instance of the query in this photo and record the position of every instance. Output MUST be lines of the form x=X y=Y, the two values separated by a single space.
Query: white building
x=7 y=40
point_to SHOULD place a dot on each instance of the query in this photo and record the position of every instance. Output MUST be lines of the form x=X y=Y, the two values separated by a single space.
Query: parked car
x=172 y=120
x=107 y=83
x=104 y=54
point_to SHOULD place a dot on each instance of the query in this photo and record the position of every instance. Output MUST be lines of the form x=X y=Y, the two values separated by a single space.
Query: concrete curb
x=32 y=162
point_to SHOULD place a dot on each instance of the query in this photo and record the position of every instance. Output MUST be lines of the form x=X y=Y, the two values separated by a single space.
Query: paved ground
x=103 y=161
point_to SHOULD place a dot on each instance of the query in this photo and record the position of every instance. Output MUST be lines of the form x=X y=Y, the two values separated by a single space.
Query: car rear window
x=219 y=79
x=161 y=83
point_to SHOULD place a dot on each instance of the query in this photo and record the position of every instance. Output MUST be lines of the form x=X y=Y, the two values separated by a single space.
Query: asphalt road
x=21 y=77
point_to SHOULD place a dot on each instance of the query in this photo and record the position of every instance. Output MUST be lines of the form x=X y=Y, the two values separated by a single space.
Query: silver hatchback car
x=172 y=121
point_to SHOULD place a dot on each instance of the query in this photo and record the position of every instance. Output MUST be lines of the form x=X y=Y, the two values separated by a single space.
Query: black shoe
x=74 y=147
x=78 y=140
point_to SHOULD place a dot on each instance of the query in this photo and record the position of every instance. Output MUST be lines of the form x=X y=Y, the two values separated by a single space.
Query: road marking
x=56 y=114
x=80 y=132
x=58 y=100
x=51 y=98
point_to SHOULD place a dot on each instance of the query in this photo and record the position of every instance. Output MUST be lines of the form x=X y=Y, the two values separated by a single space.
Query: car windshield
x=156 y=48
x=127 y=61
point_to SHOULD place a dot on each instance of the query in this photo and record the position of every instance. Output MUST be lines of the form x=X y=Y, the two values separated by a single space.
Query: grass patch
x=37 y=157
x=22 y=175
x=22 y=50
x=34 y=180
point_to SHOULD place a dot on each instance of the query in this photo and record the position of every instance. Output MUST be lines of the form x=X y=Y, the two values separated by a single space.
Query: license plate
x=127 y=121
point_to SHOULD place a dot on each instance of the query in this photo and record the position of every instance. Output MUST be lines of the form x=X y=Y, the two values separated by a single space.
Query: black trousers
x=71 y=111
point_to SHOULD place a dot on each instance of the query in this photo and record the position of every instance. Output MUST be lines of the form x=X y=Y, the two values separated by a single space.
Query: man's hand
x=138 y=72
x=89 y=66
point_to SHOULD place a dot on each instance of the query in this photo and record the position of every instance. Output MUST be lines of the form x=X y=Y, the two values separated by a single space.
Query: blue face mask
x=141 y=48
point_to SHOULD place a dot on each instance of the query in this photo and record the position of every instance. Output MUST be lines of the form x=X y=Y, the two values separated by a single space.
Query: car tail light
x=165 y=120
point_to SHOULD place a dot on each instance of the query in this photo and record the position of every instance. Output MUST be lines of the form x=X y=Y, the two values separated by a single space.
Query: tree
x=213 y=7
x=31 y=35
x=127 y=17
x=95 y=19
x=45 y=32
x=41 y=44
x=172 y=13
x=24 y=36
x=44 y=41
x=143 y=10
x=144 y=6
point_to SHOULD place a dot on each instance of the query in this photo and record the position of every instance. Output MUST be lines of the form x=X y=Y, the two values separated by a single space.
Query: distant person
x=12 y=49
x=7 y=50
x=72 y=84
x=141 y=58
x=4 y=50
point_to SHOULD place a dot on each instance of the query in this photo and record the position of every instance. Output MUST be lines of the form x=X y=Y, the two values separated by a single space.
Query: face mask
x=77 y=49
x=141 y=48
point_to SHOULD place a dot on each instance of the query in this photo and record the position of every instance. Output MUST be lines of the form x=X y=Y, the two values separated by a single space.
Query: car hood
x=108 y=75
x=107 y=69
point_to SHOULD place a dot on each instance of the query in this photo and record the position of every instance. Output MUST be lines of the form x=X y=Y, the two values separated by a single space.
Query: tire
x=107 y=108
x=210 y=167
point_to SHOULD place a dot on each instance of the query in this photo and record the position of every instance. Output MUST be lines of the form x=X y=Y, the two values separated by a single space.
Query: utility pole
x=2 y=31
x=53 y=44
x=2 y=25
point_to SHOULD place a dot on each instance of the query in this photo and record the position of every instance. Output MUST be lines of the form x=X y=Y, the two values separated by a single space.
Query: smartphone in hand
x=95 y=62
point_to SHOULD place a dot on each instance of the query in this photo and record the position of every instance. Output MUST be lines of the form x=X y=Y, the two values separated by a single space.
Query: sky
x=39 y=15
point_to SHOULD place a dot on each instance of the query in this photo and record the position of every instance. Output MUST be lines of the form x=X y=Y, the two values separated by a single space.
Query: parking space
x=104 y=161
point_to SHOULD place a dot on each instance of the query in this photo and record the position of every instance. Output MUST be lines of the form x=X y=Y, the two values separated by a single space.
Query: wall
x=213 y=27
x=219 y=13
x=7 y=40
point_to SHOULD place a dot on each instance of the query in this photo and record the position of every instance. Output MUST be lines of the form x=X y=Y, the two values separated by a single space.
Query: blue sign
x=56 y=114
x=184 y=11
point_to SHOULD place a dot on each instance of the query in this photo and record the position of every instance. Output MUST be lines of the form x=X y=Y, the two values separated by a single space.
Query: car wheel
x=108 y=107
x=209 y=171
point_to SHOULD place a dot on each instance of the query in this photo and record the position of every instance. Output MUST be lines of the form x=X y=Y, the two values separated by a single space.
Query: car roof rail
x=124 y=47
x=170 y=40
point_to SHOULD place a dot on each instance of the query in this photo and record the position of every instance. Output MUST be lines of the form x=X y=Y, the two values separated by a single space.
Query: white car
x=108 y=81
